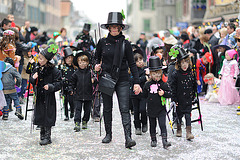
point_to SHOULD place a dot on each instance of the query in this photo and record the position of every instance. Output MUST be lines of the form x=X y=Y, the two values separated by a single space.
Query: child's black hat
x=155 y=63
x=80 y=53
x=49 y=52
x=67 y=52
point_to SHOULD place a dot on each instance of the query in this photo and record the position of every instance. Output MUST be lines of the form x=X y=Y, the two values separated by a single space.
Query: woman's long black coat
x=45 y=108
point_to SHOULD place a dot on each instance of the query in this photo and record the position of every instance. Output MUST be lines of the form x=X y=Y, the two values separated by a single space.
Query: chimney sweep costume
x=46 y=79
x=110 y=49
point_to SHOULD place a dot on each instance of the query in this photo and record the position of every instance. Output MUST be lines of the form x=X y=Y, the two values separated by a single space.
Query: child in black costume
x=156 y=91
x=183 y=90
x=82 y=88
x=46 y=79
x=67 y=70
x=139 y=103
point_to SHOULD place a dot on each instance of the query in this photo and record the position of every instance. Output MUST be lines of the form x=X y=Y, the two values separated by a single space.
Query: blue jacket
x=8 y=78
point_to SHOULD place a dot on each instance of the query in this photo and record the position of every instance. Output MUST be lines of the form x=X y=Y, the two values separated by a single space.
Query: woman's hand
x=137 y=89
x=35 y=76
x=97 y=67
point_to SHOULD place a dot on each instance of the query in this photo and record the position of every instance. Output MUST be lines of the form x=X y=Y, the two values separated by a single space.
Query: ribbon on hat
x=123 y=15
x=53 y=48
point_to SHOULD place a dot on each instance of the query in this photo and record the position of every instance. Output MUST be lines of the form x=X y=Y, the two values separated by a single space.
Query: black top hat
x=49 y=52
x=80 y=53
x=181 y=54
x=67 y=52
x=155 y=63
x=87 y=27
x=115 y=18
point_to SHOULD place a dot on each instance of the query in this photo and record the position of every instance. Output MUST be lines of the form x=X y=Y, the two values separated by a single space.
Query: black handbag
x=106 y=82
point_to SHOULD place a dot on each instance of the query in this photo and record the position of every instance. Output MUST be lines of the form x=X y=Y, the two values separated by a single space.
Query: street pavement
x=219 y=140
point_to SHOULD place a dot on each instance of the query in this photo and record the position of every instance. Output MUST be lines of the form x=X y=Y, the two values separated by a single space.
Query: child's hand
x=198 y=82
x=97 y=67
x=46 y=87
x=71 y=93
x=217 y=90
x=147 y=71
x=161 y=92
x=92 y=80
x=234 y=80
x=220 y=76
x=35 y=76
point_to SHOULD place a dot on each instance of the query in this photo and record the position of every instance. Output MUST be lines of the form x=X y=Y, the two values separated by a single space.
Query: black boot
x=42 y=133
x=166 y=144
x=108 y=129
x=129 y=142
x=47 y=137
x=153 y=141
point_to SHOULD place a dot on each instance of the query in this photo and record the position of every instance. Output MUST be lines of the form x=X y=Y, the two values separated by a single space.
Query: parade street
x=219 y=139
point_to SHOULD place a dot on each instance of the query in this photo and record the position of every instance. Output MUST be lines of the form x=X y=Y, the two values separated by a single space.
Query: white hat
x=170 y=40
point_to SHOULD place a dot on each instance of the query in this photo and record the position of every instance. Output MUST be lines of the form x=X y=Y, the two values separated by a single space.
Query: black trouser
x=122 y=90
x=96 y=105
x=187 y=117
x=86 y=105
x=140 y=115
x=161 y=122
x=68 y=99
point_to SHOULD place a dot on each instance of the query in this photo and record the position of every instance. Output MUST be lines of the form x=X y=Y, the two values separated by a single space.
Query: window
x=146 y=4
x=169 y=22
x=146 y=25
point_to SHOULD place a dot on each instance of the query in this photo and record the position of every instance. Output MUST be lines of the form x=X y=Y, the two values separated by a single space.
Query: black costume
x=107 y=49
x=45 y=108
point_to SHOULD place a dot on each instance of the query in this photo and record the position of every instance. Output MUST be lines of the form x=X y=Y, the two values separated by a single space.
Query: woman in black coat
x=46 y=80
x=108 y=54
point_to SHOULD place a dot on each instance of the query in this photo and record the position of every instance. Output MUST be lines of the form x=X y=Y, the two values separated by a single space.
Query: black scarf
x=118 y=42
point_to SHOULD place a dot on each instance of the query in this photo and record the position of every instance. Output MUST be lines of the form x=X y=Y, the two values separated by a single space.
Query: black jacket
x=183 y=89
x=171 y=69
x=45 y=109
x=105 y=53
x=155 y=102
x=81 y=84
x=67 y=72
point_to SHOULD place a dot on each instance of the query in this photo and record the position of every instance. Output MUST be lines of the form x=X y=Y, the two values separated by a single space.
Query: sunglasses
x=238 y=40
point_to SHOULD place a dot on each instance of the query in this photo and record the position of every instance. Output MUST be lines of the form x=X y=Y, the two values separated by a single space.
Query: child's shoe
x=189 y=134
x=154 y=143
x=144 y=128
x=77 y=126
x=138 y=131
x=18 y=112
x=84 y=125
x=5 y=115
x=66 y=119
x=71 y=115
x=166 y=144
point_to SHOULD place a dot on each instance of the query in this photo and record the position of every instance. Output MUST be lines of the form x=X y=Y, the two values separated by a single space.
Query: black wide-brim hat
x=155 y=63
x=80 y=53
x=115 y=18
